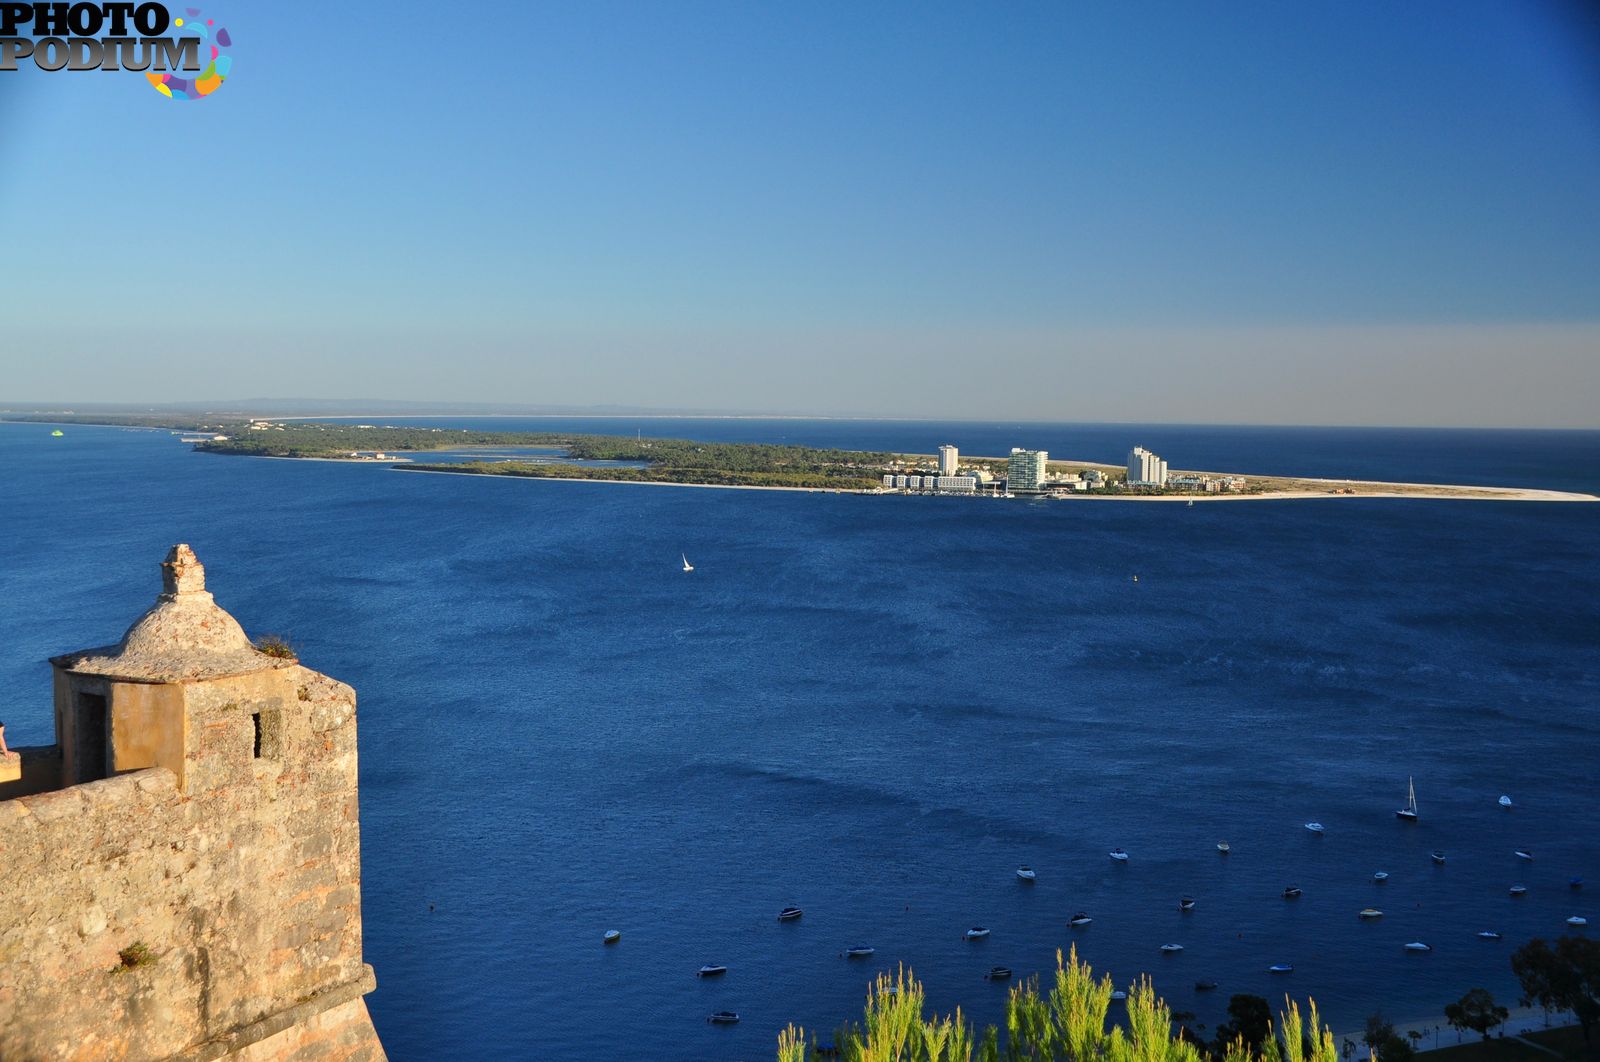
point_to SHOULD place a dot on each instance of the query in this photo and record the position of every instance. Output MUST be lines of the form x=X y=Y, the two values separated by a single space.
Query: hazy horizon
x=1359 y=214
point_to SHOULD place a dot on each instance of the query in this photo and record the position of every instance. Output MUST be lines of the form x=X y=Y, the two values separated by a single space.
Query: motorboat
x=1119 y=855
x=977 y=933
x=1315 y=827
x=712 y=970
x=1409 y=812
x=859 y=951
x=1523 y=853
x=724 y=1017
x=1518 y=890
x=1437 y=857
x=1369 y=913
x=1224 y=847
x=1577 y=920
x=612 y=936
x=1280 y=968
x=1078 y=920
x=1204 y=986
x=1381 y=876
x=1171 y=949
x=1292 y=892
x=1119 y=995
x=1505 y=802
x=1186 y=903
x=997 y=973
x=789 y=914
x=1488 y=934
x=1026 y=873
x=1417 y=945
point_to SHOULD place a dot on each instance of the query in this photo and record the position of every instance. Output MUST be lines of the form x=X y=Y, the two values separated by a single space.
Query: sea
x=878 y=707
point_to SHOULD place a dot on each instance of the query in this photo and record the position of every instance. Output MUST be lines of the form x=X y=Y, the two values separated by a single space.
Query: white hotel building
x=1145 y=469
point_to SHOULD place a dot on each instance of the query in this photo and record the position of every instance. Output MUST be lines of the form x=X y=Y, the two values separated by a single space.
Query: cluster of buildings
x=1028 y=472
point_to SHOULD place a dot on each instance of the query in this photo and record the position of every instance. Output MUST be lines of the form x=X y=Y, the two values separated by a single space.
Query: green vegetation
x=1564 y=1043
x=1476 y=1012
x=134 y=956
x=1563 y=976
x=274 y=646
x=821 y=479
x=1067 y=1023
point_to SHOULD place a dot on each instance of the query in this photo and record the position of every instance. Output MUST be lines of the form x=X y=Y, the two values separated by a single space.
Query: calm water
x=877 y=708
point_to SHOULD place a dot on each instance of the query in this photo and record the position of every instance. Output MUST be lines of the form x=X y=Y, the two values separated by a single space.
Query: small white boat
x=1409 y=812
x=1119 y=855
x=1488 y=934
x=1119 y=995
x=1437 y=857
x=612 y=936
x=712 y=969
x=1381 y=876
x=1191 y=503
x=1369 y=913
x=1417 y=945
x=1079 y=920
x=1026 y=873
x=1186 y=903
x=1280 y=968
x=1518 y=890
x=997 y=973
x=1577 y=920
x=1171 y=949
x=1224 y=847
x=689 y=568
x=977 y=933
x=1505 y=801
x=1523 y=853
x=724 y=1017
x=859 y=951
x=1315 y=827
x=789 y=914
x=1292 y=892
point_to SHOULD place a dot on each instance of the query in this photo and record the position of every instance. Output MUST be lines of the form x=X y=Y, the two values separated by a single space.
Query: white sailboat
x=1409 y=812
x=686 y=565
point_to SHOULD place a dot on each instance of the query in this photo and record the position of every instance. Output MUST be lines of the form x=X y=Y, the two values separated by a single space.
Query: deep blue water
x=877 y=707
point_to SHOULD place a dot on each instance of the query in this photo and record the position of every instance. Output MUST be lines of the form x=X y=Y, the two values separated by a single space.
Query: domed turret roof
x=185 y=635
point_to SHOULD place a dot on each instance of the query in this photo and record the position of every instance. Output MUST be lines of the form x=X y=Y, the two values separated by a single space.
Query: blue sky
x=1346 y=213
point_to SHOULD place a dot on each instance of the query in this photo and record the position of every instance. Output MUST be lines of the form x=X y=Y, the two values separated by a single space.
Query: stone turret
x=182 y=870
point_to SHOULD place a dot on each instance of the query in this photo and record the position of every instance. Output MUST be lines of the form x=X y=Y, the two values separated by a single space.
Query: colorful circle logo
x=215 y=72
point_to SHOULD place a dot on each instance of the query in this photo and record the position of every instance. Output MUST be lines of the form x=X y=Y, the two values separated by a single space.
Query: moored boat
x=1204 y=986
x=1369 y=913
x=859 y=951
x=977 y=933
x=1171 y=949
x=1437 y=857
x=789 y=914
x=1381 y=876
x=1119 y=995
x=612 y=936
x=1224 y=847
x=1409 y=812
x=1292 y=892
x=1280 y=968
x=1488 y=934
x=1577 y=920
x=1026 y=873
x=1186 y=903
x=1417 y=945
x=724 y=1017
x=712 y=969
x=1078 y=920
x=997 y=973
x=1315 y=827
x=1518 y=890
x=1119 y=855
x=1505 y=801
x=1523 y=853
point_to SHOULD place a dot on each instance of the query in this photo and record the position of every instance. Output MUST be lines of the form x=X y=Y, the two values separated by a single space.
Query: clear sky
x=1310 y=212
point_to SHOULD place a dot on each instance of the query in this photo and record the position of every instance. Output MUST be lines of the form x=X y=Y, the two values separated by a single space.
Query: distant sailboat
x=686 y=565
x=1409 y=812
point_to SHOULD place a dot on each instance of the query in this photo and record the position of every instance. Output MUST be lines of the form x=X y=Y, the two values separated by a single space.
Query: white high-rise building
x=1145 y=469
x=947 y=460
x=1025 y=470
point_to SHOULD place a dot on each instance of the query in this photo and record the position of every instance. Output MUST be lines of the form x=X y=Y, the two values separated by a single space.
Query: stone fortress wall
x=180 y=876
